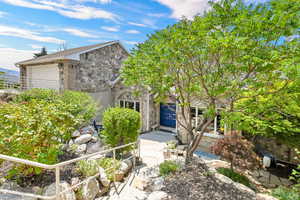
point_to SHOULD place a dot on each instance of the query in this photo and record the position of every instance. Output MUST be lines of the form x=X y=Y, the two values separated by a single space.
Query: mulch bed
x=196 y=183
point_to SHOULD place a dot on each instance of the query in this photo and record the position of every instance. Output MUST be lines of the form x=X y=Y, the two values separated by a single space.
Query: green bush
x=168 y=167
x=91 y=167
x=108 y=165
x=121 y=126
x=79 y=104
x=33 y=127
x=283 y=193
x=236 y=177
x=88 y=167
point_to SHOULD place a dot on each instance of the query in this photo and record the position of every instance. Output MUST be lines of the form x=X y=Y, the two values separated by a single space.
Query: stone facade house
x=95 y=69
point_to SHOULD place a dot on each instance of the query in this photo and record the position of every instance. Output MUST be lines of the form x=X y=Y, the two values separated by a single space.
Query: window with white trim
x=197 y=117
x=135 y=105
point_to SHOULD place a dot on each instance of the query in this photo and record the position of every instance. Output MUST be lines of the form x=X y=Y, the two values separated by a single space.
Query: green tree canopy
x=217 y=58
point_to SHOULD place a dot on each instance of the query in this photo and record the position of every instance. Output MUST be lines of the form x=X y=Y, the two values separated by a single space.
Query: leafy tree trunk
x=193 y=144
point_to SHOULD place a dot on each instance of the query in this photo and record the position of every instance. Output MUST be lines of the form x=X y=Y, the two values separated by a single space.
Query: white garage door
x=45 y=76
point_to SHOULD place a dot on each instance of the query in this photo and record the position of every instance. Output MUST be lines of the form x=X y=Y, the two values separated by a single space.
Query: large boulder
x=76 y=134
x=14 y=187
x=261 y=196
x=157 y=195
x=83 y=139
x=141 y=182
x=88 y=130
x=51 y=190
x=125 y=167
x=157 y=184
x=81 y=149
x=94 y=147
x=103 y=177
x=89 y=190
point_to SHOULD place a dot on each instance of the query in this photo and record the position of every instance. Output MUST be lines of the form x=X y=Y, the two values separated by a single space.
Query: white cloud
x=187 y=8
x=110 y=28
x=131 y=42
x=66 y=8
x=10 y=56
x=96 y=1
x=27 y=34
x=34 y=46
x=137 y=24
x=2 y=14
x=133 y=32
x=79 y=33
x=144 y=23
x=157 y=14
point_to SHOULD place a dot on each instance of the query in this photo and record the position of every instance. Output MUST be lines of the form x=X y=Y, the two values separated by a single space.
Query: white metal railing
x=60 y=165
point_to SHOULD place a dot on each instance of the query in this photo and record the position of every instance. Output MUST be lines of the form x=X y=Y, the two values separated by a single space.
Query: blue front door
x=168 y=115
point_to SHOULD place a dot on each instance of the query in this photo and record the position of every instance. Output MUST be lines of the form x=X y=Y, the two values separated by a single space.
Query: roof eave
x=20 y=64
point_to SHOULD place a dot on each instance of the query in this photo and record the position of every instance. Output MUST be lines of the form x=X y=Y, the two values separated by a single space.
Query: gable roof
x=69 y=54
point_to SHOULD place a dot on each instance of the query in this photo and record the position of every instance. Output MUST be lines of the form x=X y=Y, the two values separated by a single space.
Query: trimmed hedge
x=121 y=126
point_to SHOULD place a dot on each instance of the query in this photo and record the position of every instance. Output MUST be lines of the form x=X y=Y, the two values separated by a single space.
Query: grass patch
x=236 y=177
x=168 y=167
x=283 y=193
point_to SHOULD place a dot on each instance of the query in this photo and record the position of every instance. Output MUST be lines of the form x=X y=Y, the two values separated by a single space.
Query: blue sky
x=28 y=25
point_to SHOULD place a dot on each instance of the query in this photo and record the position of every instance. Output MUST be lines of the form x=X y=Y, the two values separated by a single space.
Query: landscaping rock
x=103 y=190
x=90 y=189
x=88 y=130
x=51 y=190
x=244 y=189
x=151 y=172
x=157 y=195
x=194 y=183
x=94 y=147
x=223 y=179
x=81 y=148
x=124 y=167
x=260 y=196
x=83 y=139
x=76 y=134
x=37 y=190
x=71 y=142
x=74 y=181
x=141 y=182
x=95 y=139
x=157 y=184
x=14 y=187
x=103 y=177
x=64 y=147
x=129 y=164
x=119 y=175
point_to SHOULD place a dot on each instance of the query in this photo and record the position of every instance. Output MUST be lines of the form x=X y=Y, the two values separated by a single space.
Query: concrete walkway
x=152 y=146
x=151 y=151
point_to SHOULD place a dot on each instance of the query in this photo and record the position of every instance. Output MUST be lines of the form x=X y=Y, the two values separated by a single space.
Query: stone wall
x=98 y=68
x=278 y=149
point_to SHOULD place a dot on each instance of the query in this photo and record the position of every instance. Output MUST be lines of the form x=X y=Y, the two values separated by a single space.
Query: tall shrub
x=37 y=122
x=121 y=126
x=79 y=104
x=239 y=151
